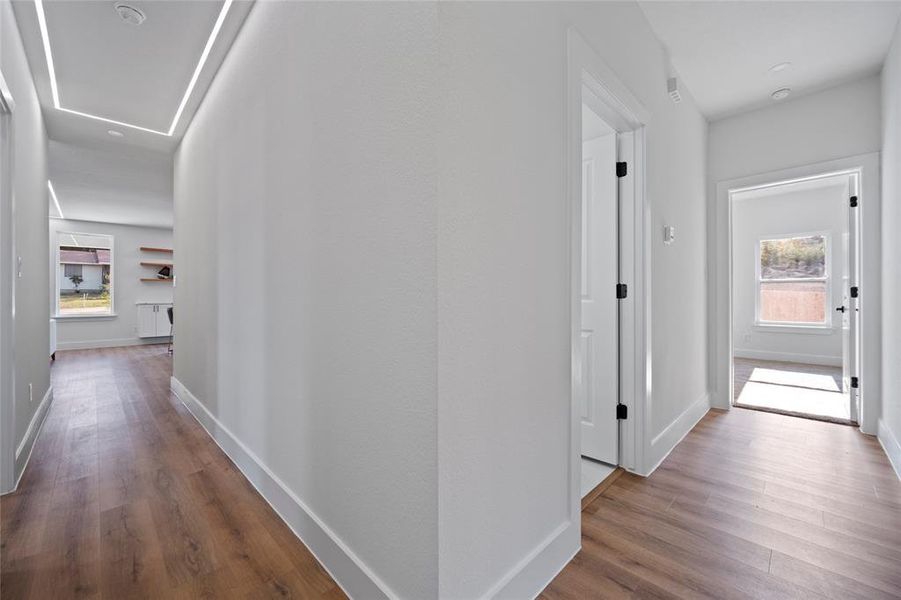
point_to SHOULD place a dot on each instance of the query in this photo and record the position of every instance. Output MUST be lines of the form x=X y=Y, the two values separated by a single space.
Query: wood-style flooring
x=749 y=505
x=126 y=496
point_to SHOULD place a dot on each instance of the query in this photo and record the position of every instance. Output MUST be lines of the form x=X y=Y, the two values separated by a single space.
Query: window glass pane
x=793 y=258
x=84 y=278
x=793 y=301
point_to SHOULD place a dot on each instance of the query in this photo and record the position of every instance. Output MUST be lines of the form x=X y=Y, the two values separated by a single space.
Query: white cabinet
x=153 y=320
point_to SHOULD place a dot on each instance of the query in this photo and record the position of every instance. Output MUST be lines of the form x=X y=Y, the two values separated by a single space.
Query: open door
x=851 y=304
x=600 y=316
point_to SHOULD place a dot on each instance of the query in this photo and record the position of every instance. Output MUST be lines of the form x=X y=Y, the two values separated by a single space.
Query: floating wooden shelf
x=149 y=279
x=151 y=249
x=156 y=264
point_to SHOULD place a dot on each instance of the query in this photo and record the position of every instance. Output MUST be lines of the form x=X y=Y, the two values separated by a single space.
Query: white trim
x=538 y=568
x=8 y=265
x=346 y=568
x=110 y=343
x=867 y=167
x=665 y=441
x=795 y=328
x=792 y=357
x=891 y=446
x=31 y=435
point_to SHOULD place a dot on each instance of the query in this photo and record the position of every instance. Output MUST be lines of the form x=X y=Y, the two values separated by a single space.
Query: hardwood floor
x=749 y=505
x=126 y=496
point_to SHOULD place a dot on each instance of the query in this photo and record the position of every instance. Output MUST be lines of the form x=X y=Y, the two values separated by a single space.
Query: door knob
x=840 y=309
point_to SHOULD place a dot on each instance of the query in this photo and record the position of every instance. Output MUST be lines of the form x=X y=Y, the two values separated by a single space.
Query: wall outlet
x=30 y=392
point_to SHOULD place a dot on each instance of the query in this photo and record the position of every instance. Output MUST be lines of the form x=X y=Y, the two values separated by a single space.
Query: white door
x=851 y=301
x=147 y=320
x=600 y=339
x=162 y=320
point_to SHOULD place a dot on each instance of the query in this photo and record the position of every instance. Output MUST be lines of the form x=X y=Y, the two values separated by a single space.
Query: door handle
x=840 y=309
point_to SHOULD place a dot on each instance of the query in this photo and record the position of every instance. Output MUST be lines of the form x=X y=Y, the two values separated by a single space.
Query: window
x=793 y=281
x=84 y=285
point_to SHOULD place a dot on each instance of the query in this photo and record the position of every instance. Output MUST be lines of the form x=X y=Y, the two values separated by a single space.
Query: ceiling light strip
x=51 y=71
x=42 y=23
x=206 y=52
x=55 y=201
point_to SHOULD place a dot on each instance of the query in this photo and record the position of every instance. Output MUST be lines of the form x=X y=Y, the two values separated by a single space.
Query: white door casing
x=599 y=334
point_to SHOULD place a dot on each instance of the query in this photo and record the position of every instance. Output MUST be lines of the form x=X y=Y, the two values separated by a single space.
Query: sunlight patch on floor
x=795 y=399
x=794 y=378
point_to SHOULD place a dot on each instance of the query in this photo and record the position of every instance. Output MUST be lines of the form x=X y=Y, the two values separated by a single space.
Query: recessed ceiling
x=131 y=187
x=723 y=51
x=132 y=78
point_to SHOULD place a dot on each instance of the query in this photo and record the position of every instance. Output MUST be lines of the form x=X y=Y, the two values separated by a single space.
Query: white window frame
x=112 y=293
x=794 y=326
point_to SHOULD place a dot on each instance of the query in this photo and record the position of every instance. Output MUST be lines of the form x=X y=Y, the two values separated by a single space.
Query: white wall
x=836 y=123
x=890 y=422
x=504 y=369
x=121 y=330
x=32 y=341
x=305 y=243
x=783 y=214
x=421 y=214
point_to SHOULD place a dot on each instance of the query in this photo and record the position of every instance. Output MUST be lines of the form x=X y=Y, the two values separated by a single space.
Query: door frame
x=867 y=169
x=622 y=111
x=7 y=291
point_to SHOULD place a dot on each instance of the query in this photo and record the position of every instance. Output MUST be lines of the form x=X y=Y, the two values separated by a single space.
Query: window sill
x=787 y=328
x=87 y=317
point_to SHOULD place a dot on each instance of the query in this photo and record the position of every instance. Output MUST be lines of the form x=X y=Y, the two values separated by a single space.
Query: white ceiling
x=723 y=50
x=134 y=74
x=131 y=187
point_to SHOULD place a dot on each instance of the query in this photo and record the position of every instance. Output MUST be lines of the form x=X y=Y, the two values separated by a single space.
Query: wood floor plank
x=126 y=496
x=818 y=499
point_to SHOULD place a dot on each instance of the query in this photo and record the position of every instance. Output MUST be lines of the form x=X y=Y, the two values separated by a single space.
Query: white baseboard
x=538 y=568
x=804 y=359
x=110 y=343
x=25 y=447
x=890 y=444
x=346 y=568
x=670 y=437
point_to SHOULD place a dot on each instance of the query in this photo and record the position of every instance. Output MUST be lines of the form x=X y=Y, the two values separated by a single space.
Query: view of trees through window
x=84 y=280
x=793 y=280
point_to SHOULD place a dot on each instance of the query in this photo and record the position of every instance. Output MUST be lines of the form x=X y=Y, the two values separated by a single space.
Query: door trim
x=621 y=110
x=867 y=168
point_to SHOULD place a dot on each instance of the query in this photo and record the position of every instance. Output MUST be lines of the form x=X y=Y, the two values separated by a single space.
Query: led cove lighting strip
x=55 y=201
x=54 y=89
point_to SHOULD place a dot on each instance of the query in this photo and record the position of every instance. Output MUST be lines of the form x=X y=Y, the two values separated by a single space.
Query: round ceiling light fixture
x=780 y=67
x=130 y=14
x=781 y=94
x=115 y=133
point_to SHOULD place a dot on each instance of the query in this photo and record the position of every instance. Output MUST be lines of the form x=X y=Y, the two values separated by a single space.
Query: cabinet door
x=147 y=320
x=162 y=320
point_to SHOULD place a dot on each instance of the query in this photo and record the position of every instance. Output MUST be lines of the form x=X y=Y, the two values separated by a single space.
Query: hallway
x=749 y=505
x=126 y=496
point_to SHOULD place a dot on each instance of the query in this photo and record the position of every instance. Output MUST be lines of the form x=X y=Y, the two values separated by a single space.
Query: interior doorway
x=795 y=312
x=600 y=311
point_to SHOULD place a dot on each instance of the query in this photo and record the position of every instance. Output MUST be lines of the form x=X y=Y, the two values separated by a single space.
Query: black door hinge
x=853 y=201
x=621 y=169
x=622 y=412
x=622 y=290
x=854 y=291
x=855 y=382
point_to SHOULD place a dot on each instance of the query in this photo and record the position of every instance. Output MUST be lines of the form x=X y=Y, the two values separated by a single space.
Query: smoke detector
x=130 y=14
x=781 y=94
